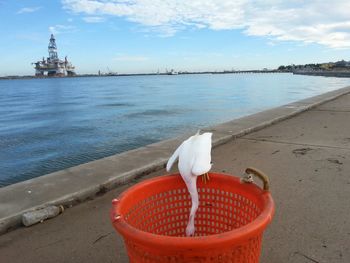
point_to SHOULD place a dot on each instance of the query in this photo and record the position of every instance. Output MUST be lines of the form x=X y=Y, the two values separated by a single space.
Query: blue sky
x=134 y=36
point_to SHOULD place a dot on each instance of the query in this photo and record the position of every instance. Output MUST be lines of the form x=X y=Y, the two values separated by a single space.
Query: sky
x=139 y=36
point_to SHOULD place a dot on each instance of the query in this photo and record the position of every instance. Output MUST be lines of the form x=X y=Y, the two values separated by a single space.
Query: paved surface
x=306 y=158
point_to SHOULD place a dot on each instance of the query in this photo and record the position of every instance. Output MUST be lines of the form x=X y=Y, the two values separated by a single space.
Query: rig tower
x=53 y=66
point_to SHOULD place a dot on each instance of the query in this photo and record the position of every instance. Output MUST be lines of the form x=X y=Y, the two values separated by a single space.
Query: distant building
x=53 y=66
x=342 y=64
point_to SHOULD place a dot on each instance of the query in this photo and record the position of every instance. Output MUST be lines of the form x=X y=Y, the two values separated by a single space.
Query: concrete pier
x=304 y=147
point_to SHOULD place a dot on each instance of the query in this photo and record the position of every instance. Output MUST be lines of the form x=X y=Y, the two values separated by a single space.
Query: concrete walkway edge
x=74 y=185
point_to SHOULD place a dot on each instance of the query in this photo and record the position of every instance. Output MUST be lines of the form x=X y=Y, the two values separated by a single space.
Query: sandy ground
x=307 y=160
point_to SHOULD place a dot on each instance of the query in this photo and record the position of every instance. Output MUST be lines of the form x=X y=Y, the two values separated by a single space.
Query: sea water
x=51 y=124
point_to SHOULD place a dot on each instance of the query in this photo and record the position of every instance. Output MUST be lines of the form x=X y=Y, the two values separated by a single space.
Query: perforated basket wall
x=161 y=210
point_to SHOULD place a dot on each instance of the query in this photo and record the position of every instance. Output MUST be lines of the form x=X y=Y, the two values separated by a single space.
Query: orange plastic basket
x=152 y=217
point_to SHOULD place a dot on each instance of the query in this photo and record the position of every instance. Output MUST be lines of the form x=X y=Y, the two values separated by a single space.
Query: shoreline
x=142 y=74
x=336 y=74
x=84 y=182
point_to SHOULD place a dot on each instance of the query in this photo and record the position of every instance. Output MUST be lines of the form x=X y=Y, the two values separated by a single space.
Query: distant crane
x=111 y=73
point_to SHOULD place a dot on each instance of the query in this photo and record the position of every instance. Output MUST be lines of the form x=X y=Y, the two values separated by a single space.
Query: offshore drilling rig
x=53 y=66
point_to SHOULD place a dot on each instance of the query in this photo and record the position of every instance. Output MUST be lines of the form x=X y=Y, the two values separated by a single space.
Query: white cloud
x=129 y=58
x=318 y=21
x=60 y=29
x=94 y=19
x=28 y=10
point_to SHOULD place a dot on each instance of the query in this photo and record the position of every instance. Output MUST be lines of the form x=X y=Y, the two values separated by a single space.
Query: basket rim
x=254 y=228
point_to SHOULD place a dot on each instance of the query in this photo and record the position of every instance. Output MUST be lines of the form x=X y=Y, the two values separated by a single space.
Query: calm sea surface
x=51 y=124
